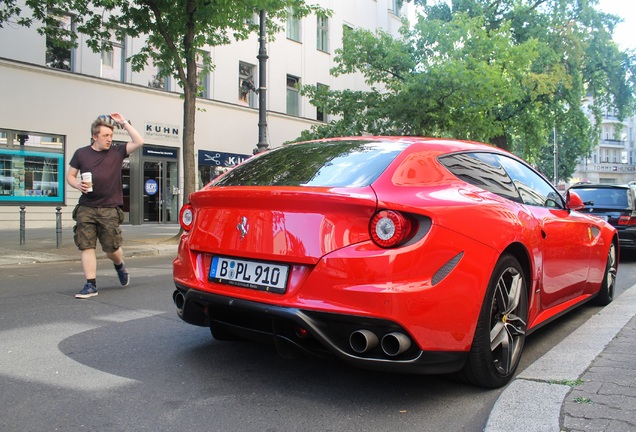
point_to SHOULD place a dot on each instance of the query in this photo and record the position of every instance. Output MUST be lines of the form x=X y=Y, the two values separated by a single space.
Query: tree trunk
x=500 y=141
x=189 y=166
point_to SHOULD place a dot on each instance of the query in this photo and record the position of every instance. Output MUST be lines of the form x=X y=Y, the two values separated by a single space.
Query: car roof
x=599 y=186
x=437 y=146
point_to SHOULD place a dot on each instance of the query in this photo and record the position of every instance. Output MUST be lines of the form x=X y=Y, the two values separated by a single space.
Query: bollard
x=58 y=226
x=22 y=228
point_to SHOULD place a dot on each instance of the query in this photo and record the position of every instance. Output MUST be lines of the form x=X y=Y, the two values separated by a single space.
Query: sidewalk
x=587 y=383
x=40 y=244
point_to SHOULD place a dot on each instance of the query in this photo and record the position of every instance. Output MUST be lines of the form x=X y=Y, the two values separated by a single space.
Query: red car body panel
x=335 y=267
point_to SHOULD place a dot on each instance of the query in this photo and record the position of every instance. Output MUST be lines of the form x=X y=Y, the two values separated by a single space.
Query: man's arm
x=137 y=140
x=71 y=179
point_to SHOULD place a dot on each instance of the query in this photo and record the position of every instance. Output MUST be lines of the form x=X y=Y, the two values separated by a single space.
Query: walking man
x=98 y=214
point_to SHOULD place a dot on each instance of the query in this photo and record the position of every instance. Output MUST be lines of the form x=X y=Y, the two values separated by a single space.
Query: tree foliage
x=505 y=72
x=172 y=31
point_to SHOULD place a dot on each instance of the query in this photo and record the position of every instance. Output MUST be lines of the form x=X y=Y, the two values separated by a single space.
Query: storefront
x=31 y=168
x=214 y=163
x=151 y=177
x=160 y=185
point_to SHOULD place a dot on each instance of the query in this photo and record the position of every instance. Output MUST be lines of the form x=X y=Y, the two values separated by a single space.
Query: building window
x=114 y=60
x=320 y=112
x=346 y=29
x=31 y=168
x=61 y=55
x=203 y=59
x=396 y=6
x=322 y=34
x=246 y=86
x=293 y=26
x=293 y=96
x=158 y=78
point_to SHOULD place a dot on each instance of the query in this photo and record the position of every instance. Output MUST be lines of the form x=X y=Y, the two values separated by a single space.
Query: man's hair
x=97 y=124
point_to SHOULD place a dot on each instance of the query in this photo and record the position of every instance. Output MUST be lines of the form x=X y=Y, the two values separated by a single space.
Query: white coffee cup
x=87 y=178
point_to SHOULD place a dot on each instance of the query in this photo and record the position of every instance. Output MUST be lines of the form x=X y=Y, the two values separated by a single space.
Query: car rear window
x=603 y=197
x=321 y=164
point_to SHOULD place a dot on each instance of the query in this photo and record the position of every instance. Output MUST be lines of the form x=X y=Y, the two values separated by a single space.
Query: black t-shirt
x=106 y=168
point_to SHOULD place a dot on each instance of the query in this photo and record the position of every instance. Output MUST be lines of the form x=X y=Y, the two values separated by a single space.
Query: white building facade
x=613 y=161
x=50 y=100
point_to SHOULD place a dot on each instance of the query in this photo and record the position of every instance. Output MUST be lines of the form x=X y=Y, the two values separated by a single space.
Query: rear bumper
x=315 y=333
x=627 y=237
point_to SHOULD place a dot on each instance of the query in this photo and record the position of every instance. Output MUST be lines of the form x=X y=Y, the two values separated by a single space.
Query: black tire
x=606 y=293
x=493 y=360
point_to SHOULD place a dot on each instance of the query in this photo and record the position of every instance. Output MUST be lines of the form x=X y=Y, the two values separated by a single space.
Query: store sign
x=613 y=168
x=221 y=159
x=164 y=152
x=162 y=132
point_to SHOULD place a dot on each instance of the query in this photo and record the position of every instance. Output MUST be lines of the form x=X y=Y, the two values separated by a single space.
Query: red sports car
x=404 y=254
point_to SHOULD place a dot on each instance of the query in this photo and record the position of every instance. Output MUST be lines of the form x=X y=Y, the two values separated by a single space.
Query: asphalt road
x=123 y=361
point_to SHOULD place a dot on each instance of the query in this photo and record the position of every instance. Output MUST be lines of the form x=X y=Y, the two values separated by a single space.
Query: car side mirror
x=573 y=201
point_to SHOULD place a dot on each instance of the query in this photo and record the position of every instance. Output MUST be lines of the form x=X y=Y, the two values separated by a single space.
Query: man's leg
x=85 y=236
x=89 y=263
x=116 y=257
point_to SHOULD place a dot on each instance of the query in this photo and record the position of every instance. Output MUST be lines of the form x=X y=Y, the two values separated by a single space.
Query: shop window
x=212 y=164
x=31 y=168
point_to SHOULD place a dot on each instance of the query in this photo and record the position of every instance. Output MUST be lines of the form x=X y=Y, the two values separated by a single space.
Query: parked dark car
x=615 y=204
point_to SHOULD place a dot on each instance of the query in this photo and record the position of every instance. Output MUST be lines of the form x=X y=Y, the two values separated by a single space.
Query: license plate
x=256 y=275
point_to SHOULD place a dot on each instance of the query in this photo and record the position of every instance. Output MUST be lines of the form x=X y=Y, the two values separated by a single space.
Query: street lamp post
x=556 y=158
x=262 y=86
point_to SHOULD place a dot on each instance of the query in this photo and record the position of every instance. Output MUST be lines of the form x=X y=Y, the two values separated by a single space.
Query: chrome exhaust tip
x=363 y=340
x=395 y=343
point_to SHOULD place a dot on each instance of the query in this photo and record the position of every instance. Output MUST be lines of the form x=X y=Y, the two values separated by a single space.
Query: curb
x=532 y=401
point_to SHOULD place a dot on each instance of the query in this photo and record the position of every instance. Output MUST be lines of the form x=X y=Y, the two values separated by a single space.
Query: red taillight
x=627 y=220
x=186 y=217
x=389 y=228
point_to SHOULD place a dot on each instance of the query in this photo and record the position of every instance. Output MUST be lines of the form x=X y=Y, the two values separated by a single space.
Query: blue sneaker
x=122 y=274
x=89 y=290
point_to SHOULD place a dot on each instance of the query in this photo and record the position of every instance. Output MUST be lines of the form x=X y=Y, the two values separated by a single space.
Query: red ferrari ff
x=404 y=254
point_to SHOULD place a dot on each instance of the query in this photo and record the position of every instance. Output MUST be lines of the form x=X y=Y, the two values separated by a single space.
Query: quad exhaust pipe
x=362 y=341
x=395 y=343
x=179 y=301
x=392 y=344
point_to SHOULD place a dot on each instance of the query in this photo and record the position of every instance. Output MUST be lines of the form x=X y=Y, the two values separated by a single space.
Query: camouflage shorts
x=98 y=223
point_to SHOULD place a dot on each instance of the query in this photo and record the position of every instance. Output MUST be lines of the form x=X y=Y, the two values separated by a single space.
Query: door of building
x=160 y=191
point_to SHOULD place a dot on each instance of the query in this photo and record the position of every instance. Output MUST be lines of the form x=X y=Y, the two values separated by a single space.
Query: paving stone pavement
x=585 y=383
x=606 y=398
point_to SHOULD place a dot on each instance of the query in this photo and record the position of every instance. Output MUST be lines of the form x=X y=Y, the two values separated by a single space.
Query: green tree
x=173 y=33
x=504 y=72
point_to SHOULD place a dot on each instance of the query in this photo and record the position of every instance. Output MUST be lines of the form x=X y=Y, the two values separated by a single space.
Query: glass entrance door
x=160 y=189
